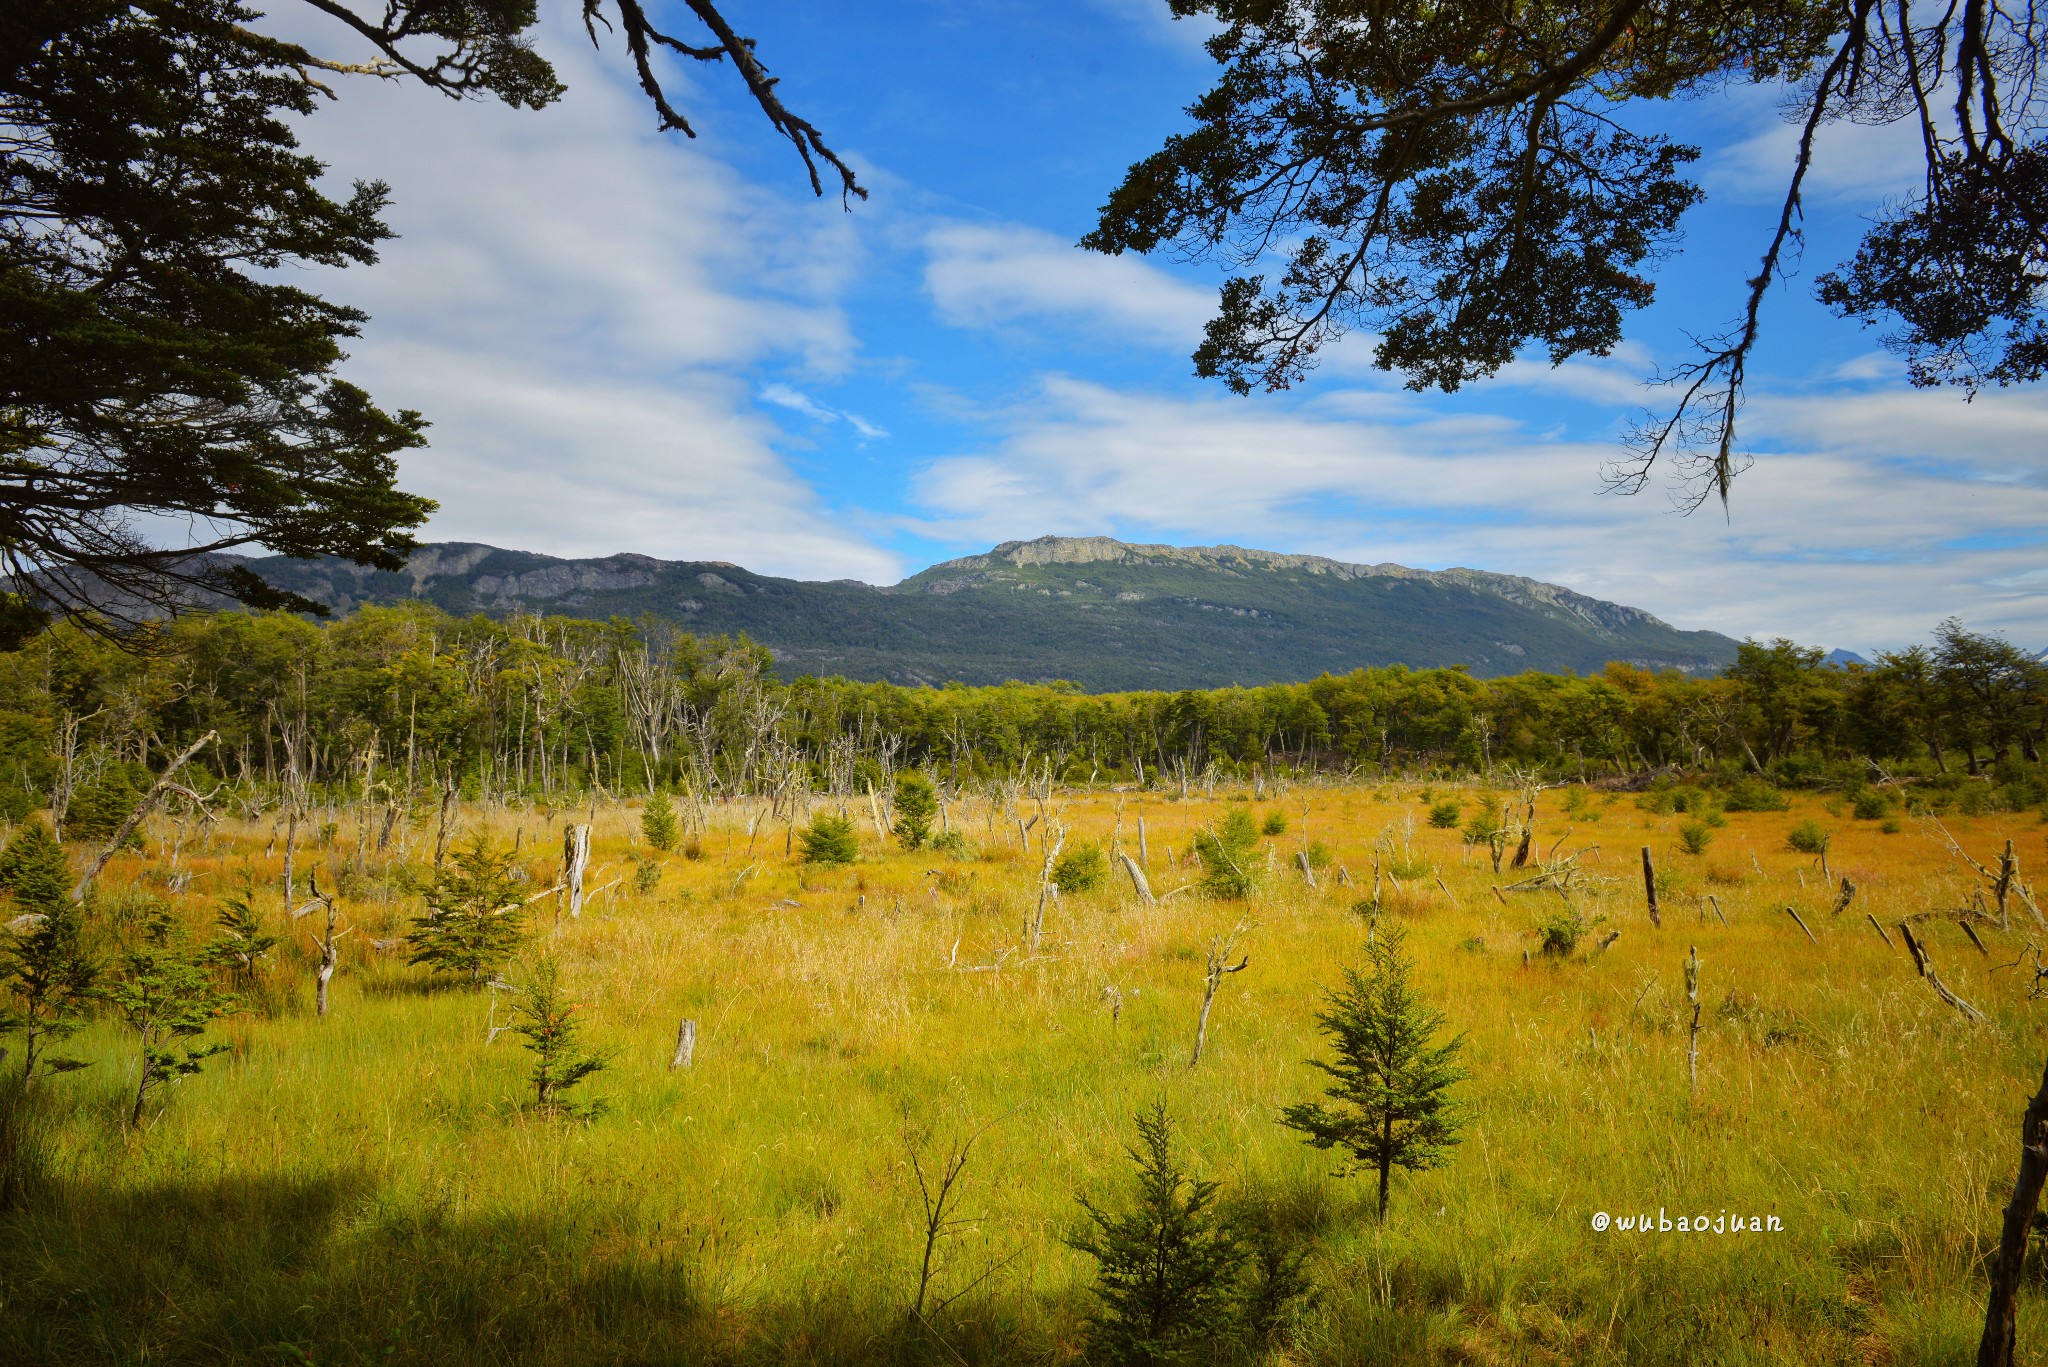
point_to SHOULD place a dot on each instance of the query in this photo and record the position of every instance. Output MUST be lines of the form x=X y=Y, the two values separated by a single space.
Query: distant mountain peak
x=1108 y=614
x=951 y=576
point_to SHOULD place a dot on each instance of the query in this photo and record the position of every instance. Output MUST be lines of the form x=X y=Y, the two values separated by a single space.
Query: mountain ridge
x=1107 y=614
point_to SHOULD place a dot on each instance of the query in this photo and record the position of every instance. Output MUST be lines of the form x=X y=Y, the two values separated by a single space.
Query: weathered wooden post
x=686 y=1045
x=1650 y=887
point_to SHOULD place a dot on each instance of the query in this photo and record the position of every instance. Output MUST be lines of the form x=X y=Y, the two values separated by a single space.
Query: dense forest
x=404 y=706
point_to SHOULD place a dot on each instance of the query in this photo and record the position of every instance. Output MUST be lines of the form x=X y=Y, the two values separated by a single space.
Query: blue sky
x=630 y=341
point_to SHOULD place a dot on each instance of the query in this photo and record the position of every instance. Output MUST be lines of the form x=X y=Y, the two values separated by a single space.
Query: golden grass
x=368 y=1188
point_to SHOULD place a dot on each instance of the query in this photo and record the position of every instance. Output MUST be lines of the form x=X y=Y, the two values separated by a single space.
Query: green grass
x=372 y=1188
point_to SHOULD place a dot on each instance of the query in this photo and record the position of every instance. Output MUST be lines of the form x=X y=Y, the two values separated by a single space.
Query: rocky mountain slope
x=1106 y=614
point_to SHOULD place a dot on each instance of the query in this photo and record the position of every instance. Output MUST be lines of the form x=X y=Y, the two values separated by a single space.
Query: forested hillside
x=405 y=702
x=1099 y=612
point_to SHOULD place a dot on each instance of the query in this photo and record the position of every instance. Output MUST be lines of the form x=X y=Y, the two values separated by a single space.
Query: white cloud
x=782 y=396
x=572 y=301
x=984 y=276
x=1851 y=161
x=1825 y=543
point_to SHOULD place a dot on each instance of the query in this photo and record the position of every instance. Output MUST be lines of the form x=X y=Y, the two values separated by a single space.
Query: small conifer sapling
x=241 y=939
x=1228 y=870
x=48 y=978
x=658 y=822
x=1166 y=1267
x=546 y=1019
x=474 y=918
x=1391 y=1082
x=916 y=808
x=829 y=839
x=167 y=996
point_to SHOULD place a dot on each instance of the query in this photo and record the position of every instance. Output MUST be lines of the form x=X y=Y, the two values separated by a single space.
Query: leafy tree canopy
x=1467 y=181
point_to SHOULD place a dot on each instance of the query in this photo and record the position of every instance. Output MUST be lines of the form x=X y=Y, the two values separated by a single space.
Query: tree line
x=403 y=706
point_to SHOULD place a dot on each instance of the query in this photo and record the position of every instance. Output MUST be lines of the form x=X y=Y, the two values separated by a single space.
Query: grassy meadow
x=373 y=1187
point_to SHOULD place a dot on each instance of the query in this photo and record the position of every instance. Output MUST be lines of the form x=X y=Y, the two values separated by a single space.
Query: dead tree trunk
x=575 y=860
x=1138 y=882
x=2001 y=1310
x=1045 y=884
x=1793 y=912
x=330 y=946
x=686 y=1045
x=1926 y=967
x=1692 y=994
x=441 y=830
x=1845 y=896
x=1219 y=964
x=1650 y=887
x=142 y=809
x=1308 y=872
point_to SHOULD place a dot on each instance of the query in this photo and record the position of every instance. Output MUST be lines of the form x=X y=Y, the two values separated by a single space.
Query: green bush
x=1754 y=795
x=1871 y=805
x=1226 y=854
x=1080 y=869
x=1482 y=828
x=1808 y=837
x=34 y=870
x=1695 y=836
x=952 y=844
x=829 y=839
x=1275 y=824
x=1444 y=815
x=97 y=809
x=1559 y=932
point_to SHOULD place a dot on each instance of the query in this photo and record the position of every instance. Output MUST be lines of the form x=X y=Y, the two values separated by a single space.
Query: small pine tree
x=34 y=870
x=474 y=919
x=1275 y=823
x=167 y=997
x=658 y=822
x=916 y=807
x=1226 y=855
x=1392 y=1084
x=1444 y=815
x=1080 y=869
x=547 y=1021
x=1166 y=1268
x=47 y=975
x=829 y=839
x=242 y=939
x=98 y=808
x=1808 y=837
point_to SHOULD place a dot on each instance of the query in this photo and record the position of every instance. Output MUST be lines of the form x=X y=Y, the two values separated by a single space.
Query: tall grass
x=376 y=1187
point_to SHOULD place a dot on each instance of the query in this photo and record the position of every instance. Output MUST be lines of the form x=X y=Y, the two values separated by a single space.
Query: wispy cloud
x=986 y=276
x=1826 y=543
x=782 y=396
